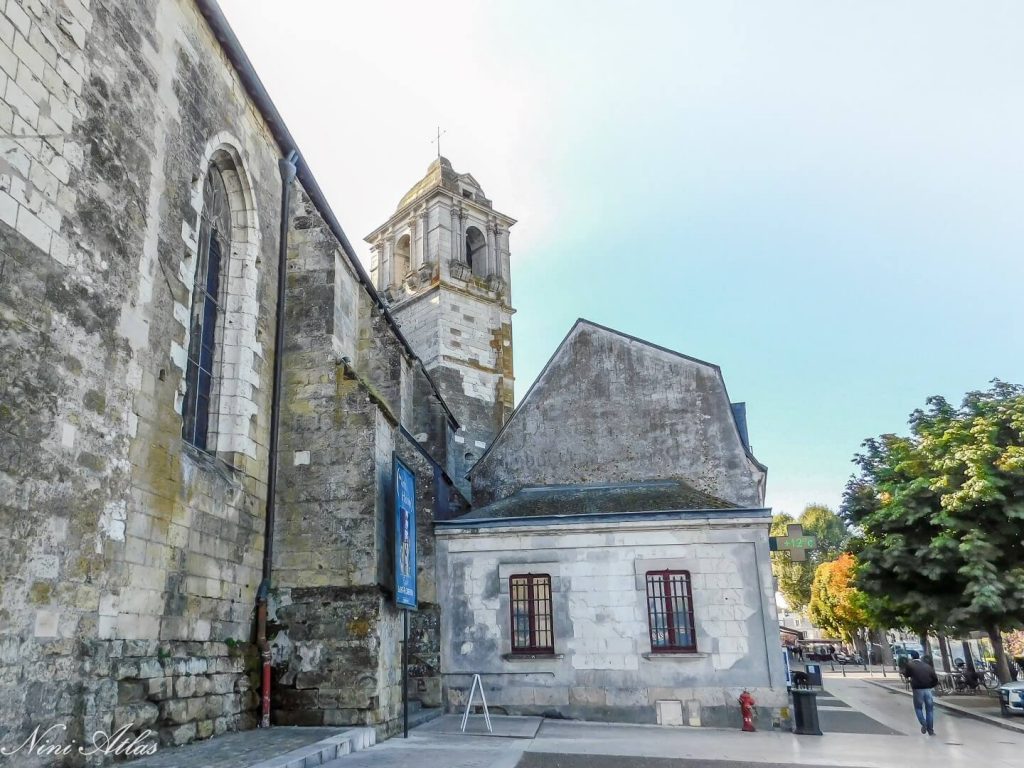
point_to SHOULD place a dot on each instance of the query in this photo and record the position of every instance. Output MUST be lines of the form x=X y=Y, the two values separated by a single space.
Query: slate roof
x=621 y=498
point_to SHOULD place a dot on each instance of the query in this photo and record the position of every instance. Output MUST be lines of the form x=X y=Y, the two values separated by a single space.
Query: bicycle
x=947 y=683
x=988 y=677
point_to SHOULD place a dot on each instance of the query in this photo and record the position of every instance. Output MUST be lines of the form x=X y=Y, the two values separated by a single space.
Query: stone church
x=203 y=393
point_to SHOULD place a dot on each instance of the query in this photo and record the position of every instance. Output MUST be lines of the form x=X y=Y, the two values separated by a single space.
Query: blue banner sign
x=404 y=495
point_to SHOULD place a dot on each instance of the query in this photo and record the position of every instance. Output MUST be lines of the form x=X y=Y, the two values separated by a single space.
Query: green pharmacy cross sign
x=794 y=542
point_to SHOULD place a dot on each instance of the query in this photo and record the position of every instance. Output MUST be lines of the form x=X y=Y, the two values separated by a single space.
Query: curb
x=999 y=722
x=323 y=751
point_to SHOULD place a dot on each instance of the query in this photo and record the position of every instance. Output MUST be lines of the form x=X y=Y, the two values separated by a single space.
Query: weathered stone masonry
x=130 y=560
x=337 y=651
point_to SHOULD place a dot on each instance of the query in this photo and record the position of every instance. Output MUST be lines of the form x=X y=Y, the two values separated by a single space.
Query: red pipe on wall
x=264 y=646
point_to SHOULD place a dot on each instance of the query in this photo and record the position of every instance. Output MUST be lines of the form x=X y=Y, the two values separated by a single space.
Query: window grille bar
x=202 y=347
x=531 y=619
x=670 y=611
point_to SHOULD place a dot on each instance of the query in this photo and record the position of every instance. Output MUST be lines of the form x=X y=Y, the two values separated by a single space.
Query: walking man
x=923 y=681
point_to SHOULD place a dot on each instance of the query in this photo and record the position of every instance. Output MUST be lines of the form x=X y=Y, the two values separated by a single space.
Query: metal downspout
x=287 y=166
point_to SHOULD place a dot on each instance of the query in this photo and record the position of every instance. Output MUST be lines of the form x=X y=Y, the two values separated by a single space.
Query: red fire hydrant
x=747 y=709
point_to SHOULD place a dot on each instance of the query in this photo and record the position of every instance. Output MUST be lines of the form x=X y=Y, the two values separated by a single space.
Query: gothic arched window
x=207 y=298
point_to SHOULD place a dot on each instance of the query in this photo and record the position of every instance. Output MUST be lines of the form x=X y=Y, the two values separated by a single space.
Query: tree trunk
x=944 y=650
x=968 y=656
x=883 y=640
x=1002 y=668
x=926 y=646
x=859 y=645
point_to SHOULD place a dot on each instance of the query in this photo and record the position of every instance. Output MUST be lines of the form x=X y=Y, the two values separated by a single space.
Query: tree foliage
x=941 y=515
x=795 y=577
x=836 y=605
x=1013 y=642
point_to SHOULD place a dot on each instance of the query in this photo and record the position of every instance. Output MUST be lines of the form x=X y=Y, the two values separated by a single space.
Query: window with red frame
x=530 y=605
x=670 y=612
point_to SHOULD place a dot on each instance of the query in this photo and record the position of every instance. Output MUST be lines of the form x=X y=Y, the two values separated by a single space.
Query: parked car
x=904 y=649
x=845 y=657
x=1011 y=699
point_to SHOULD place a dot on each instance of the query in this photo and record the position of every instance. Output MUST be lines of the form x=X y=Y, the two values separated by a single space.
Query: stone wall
x=116 y=534
x=335 y=632
x=337 y=647
x=184 y=690
x=466 y=338
x=602 y=668
x=131 y=558
x=611 y=408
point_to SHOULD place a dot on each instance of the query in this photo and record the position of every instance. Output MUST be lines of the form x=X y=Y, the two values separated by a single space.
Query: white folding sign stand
x=469 y=705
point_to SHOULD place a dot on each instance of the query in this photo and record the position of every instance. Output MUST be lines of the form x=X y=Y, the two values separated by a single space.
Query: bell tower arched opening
x=402 y=251
x=476 y=251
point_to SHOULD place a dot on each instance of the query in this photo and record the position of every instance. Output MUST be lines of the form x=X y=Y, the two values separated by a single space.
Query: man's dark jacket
x=921 y=675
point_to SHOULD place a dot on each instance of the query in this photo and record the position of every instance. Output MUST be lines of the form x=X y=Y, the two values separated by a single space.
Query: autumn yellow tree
x=836 y=604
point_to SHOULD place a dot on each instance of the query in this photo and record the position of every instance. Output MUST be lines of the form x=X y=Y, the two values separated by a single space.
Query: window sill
x=674 y=655
x=532 y=656
x=210 y=461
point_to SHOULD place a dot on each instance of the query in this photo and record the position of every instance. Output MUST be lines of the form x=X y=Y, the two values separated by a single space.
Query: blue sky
x=823 y=198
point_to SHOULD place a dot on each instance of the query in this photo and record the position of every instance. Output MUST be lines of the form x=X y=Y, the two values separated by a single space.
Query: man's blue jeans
x=924 y=706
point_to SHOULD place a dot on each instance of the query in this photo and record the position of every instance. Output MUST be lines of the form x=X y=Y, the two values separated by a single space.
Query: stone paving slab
x=241 y=749
x=437 y=750
x=504 y=725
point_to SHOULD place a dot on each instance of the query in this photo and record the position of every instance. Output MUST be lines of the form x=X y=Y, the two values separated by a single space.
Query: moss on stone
x=92 y=461
x=95 y=400
x=40 y=592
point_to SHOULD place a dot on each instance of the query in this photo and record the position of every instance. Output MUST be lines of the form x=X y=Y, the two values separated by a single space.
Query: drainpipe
x=287 y=166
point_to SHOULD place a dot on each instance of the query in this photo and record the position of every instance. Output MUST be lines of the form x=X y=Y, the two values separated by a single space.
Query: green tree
x=941 y=516
x=795 y=577
x=836 y=604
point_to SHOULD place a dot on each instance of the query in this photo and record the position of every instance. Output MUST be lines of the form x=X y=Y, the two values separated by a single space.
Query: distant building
x=798 y=621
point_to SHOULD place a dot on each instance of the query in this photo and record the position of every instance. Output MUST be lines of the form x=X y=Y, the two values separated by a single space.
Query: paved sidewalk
x=277 y=747
x=537 y=743
x=502 y=726
x=571 y=744
x=981 y=706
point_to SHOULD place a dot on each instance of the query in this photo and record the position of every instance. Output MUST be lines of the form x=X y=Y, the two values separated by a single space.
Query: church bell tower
x=441 y=262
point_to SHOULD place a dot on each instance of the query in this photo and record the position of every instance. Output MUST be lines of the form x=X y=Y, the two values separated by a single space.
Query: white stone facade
x=602 y=666
x=41 y=74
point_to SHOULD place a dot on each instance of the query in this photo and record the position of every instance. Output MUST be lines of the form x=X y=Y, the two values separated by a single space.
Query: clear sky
x=824 y=198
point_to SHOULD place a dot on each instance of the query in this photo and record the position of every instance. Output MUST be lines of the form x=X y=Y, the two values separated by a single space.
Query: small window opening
x=530 y=603
x=670 y=611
